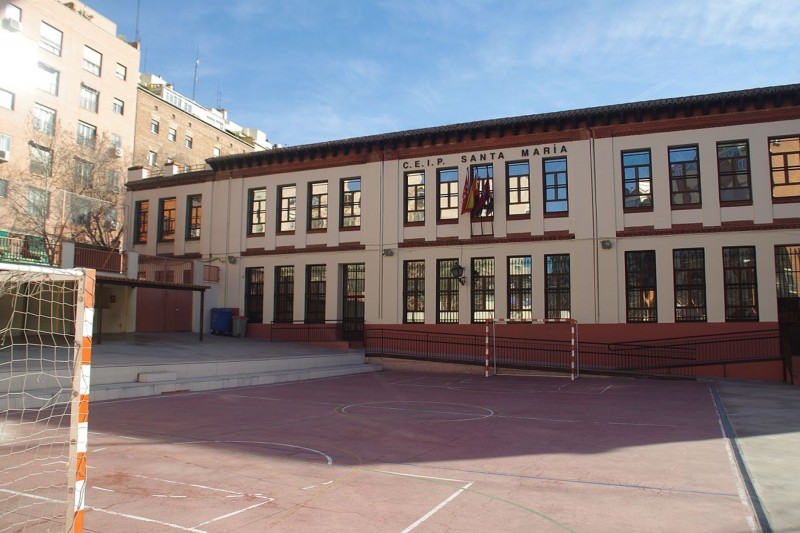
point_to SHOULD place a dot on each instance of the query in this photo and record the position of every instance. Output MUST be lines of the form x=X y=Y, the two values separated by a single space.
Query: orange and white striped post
x=486 y=347
x=80 y=403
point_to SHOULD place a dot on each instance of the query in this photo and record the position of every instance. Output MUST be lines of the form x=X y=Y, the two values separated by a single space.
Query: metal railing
x=100 y=259
x=165 y=269
x=685 y=357
x=25 y=251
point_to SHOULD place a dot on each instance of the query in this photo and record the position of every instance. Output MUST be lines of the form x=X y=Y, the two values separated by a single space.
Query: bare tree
x=71 y=189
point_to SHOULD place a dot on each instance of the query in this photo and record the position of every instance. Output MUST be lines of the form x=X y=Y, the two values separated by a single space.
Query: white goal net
x=45 y=349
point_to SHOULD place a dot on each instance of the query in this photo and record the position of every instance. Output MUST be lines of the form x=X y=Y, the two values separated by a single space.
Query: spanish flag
x=469 y=194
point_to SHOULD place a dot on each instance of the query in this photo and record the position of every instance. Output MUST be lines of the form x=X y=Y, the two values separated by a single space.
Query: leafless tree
x=70 y=190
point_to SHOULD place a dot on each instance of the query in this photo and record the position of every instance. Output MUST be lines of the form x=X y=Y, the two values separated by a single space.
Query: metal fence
x=677 y=357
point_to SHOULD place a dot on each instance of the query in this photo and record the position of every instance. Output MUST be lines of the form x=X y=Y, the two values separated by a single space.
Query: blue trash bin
x=221 y=321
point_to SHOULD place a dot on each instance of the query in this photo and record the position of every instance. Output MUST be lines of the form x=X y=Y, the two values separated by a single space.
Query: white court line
x=145 y=519
x=438 y=507
x=234 y=513
x=317 y=485
x=419 y=476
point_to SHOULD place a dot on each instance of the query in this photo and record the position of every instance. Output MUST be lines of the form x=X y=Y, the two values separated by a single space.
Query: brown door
x=162 y=310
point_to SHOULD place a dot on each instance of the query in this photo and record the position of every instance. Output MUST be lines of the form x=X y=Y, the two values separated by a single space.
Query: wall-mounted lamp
x=232 y=259
x=606 y=244
x=388 y=252
x=458 y=272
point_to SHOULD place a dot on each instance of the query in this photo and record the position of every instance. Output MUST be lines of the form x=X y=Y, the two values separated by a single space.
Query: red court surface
x=396 y=451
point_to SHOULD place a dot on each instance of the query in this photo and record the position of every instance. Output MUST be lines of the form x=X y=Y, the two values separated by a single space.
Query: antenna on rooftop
x=138 y=35
x=219 y=99
x=196 y=65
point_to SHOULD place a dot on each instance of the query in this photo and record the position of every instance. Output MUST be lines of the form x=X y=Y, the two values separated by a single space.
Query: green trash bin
x=239 y=326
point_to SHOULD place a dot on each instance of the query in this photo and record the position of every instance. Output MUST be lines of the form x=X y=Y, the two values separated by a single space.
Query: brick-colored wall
x=204 y=136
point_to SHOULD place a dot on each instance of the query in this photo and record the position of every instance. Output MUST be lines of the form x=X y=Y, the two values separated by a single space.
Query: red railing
x=100 y=259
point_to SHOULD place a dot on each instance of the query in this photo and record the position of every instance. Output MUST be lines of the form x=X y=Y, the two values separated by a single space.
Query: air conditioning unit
x=118 y=152
x=12 y=24
x=4 y=156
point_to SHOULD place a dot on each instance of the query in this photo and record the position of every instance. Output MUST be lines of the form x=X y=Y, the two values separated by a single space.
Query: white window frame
x=50 y=38
x=92 y=60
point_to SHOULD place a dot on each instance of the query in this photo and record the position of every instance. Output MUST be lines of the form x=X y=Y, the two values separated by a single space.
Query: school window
x=141 y=213
x=482 y=193
x=787 y=277
x=172 y=135
x=215 y=152
x=82 y=172
x=689 y=274
x=47 y=79
x=482 y=284
x=741 y=285
x=92 y=60
x=520 y=288
x=784 y=166
x=166 y=219
x=415 y=197
x=351 y=203
x=557 y=286
x=50 y=39
x=89 y=98
x=154 y=126
x=188 y=142
x=733 y=163
x=6 y=99
x=414 y=292
x=256 y=211
x=637 y=179
x=254 y=294
x=284 y=294
x=315 y=294
x=152 y=158
x=447 y=187
x=518 y=181
x=446 y=292
x=44 y=119
x=684 y=175
x=118 y=106
x=38 y=202
x=121 y=71
x=87 y=135
x=287 y=199
x=318 y=205
x=640 y=286
x=41 y=162
x=554 y=172
x=194 y=216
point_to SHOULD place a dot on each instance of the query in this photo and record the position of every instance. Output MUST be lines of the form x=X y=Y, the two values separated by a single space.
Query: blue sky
x=308 y=71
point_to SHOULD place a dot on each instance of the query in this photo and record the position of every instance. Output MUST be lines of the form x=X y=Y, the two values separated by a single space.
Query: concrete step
x=122 y=390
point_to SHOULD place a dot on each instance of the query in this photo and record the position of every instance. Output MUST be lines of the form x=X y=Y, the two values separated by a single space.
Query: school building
x=654 y=224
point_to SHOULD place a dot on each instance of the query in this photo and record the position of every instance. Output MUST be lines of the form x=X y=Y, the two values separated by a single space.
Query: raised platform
x=128 y=366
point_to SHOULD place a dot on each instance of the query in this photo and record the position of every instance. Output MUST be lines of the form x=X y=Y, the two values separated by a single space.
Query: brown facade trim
x=511 y=238
x=726 y=227
x=348 y=247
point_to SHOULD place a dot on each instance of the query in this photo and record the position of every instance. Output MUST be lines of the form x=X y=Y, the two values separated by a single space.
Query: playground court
x=402 y=451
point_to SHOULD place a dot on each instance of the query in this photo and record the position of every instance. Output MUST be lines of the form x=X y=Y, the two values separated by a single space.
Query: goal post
x=46 y=321
x=554 y=356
